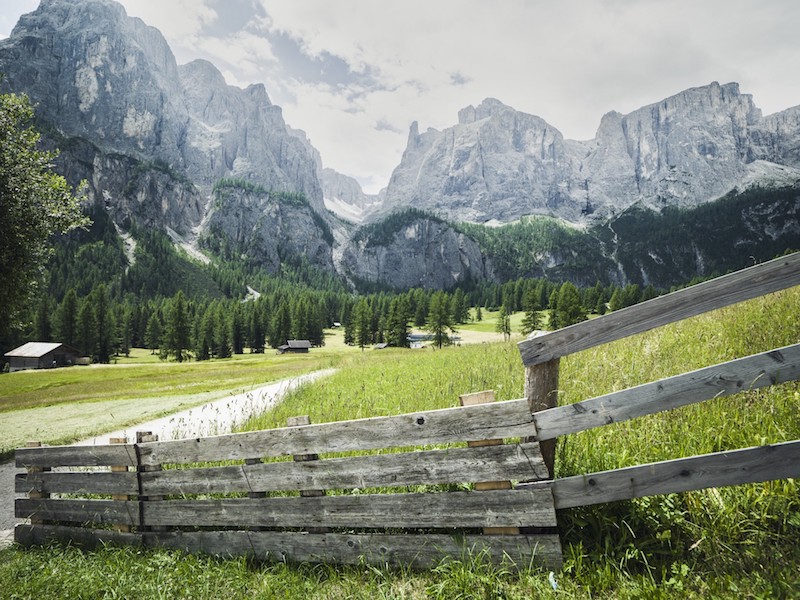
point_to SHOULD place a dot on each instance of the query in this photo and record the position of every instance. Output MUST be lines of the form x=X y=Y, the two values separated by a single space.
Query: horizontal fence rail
x=395 y=502
x=772 y=276
x=404 y=489
x=734 y=467
x=749 y=373
x=408 y=550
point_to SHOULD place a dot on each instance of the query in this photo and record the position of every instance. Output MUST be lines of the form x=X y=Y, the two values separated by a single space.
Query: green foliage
x=382 y=232
x=728 y=234
x=504 y=323
x=176 y=341
x=160 y=271
x=440 y=319
x=521 y=249
x=35 y=204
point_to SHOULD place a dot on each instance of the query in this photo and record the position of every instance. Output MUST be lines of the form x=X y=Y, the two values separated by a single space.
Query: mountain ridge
x=155 y=141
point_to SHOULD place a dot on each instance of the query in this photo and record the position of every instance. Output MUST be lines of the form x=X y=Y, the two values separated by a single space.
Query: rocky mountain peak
x=500 y=164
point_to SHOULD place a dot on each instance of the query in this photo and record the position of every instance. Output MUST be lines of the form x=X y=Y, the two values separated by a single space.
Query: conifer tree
x=440 y=320
x=398 y=326
x=66 y=325
x=152 y=336
x=504 y=323
x=362 y=323
x=530 y=304
x=569 y=309
x=176 y=330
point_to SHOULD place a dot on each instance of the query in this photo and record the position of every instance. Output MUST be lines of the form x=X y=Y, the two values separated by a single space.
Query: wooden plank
x=120 y=470
x=461 y=424
x=777 y=274
x=541 y=392
x=487 y=397
x=751 y=372
x=303 y=458
x=430 y=467
x=33 y=470
x=417 y=551
x=84 y=537
x=750 y=465
x=79 y=482
x=509 y=508
x=76 y=456
x=78 y=511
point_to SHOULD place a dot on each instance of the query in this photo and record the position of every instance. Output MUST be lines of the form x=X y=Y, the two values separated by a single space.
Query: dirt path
x=214 y=418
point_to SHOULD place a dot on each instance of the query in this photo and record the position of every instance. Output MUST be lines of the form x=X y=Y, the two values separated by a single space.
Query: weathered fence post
x=31 y=493
x=123 y=527
x=541 y=391
x=485 y=398
x=299 y=422
x=141 y=438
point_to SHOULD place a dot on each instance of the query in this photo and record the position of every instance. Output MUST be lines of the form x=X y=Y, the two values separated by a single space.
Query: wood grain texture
x=417 y=551
x=777 y=274
x=541 y=392
x=80 y=482
x=430 y=467
x=83 y=537
x=79 y=511
x=750 y=465
x=461 y=424
x=77 y=456
x=509 y=508
x=759 y=370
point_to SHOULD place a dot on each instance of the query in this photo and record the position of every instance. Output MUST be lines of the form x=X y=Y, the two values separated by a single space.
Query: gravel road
x=215 y=418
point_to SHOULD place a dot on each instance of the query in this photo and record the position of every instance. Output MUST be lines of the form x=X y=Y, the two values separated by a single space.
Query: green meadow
x=736 y=542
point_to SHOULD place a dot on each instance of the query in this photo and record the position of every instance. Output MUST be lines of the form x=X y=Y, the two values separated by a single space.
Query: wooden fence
x=466 y=479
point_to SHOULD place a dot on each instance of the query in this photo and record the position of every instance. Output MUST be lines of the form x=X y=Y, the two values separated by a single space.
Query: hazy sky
x=354 y=74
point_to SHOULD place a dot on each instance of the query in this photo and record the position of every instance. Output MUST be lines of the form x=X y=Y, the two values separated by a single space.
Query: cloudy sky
x=354 y=74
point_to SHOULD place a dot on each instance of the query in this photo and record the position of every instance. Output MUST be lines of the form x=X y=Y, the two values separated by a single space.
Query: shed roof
x=38 y=349
x=295 y=344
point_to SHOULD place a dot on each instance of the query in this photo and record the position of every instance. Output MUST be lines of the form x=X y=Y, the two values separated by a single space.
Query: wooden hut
x=41 y=355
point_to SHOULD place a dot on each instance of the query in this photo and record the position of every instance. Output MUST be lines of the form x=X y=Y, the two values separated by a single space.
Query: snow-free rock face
x=267 y=228
x=151 y=138
x=498 y=164
x=424 y=253
x=344 y=196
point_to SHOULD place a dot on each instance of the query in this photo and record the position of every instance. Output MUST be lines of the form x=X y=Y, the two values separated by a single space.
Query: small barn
x=41 y=355
x=295 y=346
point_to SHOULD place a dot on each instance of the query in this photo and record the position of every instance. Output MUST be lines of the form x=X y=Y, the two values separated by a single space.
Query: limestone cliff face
x=498 y=164
x=423 y=253
x=151 y=138
x=267 y=228
x=344 y=197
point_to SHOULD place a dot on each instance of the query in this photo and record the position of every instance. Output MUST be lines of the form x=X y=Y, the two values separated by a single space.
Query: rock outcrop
x=421 y=252
x=344 y=197
x=150 y=137
x=498 y=164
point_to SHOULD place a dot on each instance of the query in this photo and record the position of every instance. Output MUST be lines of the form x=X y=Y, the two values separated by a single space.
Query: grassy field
x=63 y=405
x=737 y=542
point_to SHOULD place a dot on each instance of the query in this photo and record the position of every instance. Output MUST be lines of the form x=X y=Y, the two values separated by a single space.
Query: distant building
x=295 y=346
x=41 y=355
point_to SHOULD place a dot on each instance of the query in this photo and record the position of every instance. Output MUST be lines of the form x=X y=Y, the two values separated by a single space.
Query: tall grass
x=729 y=542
